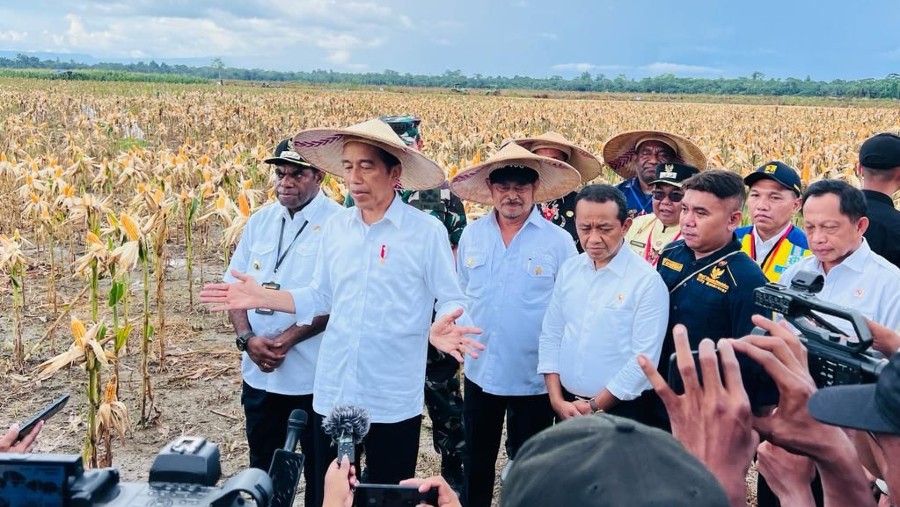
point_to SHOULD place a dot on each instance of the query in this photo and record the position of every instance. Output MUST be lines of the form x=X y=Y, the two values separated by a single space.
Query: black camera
x=835 y=357
x=184 y=473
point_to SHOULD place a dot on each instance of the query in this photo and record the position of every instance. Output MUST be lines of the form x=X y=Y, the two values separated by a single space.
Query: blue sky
x=693 y=38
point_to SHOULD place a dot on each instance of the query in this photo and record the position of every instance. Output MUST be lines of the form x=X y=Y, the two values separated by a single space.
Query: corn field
x=108 y=185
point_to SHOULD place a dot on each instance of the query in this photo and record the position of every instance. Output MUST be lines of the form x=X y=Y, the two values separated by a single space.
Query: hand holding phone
x=45 y=413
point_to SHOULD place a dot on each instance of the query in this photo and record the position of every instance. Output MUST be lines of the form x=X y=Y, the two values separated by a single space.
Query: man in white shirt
x=834 y=217
x=279 y=246
x=507 y=263
x=380 y=267
x=608 y=306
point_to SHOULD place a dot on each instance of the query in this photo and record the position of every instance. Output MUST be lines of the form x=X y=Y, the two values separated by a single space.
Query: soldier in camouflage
x=443 y=397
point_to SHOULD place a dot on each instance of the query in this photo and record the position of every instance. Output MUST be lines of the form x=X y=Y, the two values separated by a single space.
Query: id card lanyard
x=279 y=257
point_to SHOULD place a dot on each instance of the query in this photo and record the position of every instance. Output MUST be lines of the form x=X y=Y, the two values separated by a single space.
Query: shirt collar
x=394 y=213
x=775 y=237
x=618 y=264
x=534 y=218
x=855 y=261
x=732 y=246
x=878 y=196
x=309 y=211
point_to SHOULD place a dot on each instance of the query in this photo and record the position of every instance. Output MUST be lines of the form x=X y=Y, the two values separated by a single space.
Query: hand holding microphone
x=347 y=426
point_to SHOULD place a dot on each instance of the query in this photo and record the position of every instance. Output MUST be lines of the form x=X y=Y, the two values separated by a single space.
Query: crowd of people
x=564 y=304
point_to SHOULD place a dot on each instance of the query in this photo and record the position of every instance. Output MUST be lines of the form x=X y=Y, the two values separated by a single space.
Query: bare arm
x=245 y=294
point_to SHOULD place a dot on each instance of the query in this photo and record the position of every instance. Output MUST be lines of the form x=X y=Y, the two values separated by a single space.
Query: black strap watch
x=241 y=341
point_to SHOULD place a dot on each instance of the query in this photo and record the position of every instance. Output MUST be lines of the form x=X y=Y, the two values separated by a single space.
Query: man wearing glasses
x=649 y=234
x=278 y=247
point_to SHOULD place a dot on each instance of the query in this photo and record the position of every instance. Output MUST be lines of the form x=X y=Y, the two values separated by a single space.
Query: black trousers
x=267 y=416
x=483 y=414
x=391 y=452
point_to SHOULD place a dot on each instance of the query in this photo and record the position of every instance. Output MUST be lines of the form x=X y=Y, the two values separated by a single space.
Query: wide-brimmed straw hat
x=322 y=148
x=582 y=160
x=620 y=152
x=556 y=178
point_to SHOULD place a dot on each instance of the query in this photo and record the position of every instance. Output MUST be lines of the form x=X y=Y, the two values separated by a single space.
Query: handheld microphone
x=286 y=464
x=347 y=426
x=296 y=425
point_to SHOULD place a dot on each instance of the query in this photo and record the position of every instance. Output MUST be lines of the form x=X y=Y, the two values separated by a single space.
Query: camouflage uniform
x=443 y=397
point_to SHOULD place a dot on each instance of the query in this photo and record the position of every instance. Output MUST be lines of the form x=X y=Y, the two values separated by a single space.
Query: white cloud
x=657 y=68
x=577 y=67
x=12 y=35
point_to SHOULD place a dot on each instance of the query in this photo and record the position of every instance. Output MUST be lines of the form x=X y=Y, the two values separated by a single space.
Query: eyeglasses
x=674 y=196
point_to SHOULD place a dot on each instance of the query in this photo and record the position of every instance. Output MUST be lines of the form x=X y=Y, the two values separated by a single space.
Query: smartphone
x=392 y=495
x=761 y=389
x=45 y=413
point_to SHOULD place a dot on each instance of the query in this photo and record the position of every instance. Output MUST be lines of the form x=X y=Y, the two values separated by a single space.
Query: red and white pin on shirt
x=858 y=293
x=383 y=254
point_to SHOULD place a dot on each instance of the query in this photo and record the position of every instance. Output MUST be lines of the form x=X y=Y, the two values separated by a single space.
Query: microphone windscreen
x=347 y=420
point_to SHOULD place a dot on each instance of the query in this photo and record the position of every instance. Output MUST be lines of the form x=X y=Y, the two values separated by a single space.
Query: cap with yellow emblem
x=779 y=172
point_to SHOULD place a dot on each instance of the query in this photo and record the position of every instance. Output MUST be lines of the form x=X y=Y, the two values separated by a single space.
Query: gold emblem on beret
x=770 y=168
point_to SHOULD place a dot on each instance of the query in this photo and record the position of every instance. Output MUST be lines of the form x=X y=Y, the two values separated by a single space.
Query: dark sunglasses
x=673 y=196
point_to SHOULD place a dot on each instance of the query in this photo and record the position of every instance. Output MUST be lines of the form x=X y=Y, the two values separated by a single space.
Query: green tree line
x=755 y=84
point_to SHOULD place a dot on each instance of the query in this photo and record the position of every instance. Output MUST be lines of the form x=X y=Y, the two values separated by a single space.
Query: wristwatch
x=593 y=403
x=241 y=341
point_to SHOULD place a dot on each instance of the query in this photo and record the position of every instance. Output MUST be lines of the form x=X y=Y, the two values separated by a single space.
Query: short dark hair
x=853 y=201
x=604 y=193
x=387 y=157
x=517 y=175
x=721 y=183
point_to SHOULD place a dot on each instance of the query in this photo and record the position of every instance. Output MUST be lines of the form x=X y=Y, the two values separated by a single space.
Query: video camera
x=184 y=473
x=834 y=358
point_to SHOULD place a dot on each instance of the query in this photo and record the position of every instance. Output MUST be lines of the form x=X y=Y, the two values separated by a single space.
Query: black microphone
x=347 y=426
x=286 y=464
x=296 y=425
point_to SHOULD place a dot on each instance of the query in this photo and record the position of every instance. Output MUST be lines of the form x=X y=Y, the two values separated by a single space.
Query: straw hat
x=582 y=160
x=322 y=148
x=620 y=152
x=556 y=178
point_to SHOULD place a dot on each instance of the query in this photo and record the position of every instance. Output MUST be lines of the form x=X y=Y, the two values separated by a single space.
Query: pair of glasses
x=674 y=196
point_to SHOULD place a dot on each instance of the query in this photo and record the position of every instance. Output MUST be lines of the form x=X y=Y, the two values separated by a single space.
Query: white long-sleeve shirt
x=599 y=320
x=256 y=255
x=379 y=283
x=864 y=281
x=509 y=288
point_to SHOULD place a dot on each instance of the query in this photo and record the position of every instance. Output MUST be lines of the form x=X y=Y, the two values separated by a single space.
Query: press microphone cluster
x=347 y=426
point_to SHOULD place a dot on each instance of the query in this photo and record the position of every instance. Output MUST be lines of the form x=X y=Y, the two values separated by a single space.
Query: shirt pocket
x=262 y=257
x=304 y=263
x=477 y=273
x=540 y=275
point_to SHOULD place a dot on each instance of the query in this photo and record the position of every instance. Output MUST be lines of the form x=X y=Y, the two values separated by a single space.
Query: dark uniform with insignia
x=712 y=297
x=562 y=213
